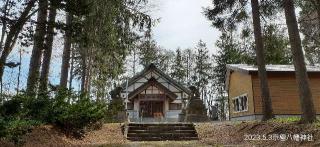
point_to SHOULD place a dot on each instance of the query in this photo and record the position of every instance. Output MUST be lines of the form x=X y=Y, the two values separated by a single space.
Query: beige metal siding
x=284 y=93
x=240 y=83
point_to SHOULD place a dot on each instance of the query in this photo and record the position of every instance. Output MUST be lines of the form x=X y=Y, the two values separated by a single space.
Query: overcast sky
x=182 y=24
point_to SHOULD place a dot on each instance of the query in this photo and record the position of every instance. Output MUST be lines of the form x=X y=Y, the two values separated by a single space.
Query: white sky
x=182 y=24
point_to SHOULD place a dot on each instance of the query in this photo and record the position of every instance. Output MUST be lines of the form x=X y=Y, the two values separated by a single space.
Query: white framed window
x=240 y=103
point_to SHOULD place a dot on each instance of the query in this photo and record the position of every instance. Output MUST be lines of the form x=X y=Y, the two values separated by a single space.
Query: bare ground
x=48 y=136
x=234 y=134
x=210 y=134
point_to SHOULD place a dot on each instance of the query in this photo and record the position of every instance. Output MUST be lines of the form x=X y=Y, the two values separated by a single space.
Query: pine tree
x=48 y=46
x=202 y=68
x=310 y=28
x=134 y=60
x=229 y=52
x=267 y=110
x=13 y=33
x=165 y=60
x=149 y=53
x=108 y=29
x=66 y=49
x=276 y=46
x=306 y=100
x=179 y=72
x=227 y=15
x=188 y=58
x=35 y=61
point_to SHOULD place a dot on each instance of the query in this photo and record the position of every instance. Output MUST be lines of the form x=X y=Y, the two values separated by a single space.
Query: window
x=240 y=103
x=174 y=106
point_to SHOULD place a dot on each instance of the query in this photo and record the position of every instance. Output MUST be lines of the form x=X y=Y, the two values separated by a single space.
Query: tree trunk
x=88 y=72
x=71 y=68
x=306 y=101
x=48 y=49
x=4 y=23
x=14 y=31
x=66 y=53
x=38 y=46
x=19 y=71
x=83 y=71
x=265 y=95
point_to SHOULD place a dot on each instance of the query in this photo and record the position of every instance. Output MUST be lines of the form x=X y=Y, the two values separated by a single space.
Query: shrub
x=3 y=132
x=11 y=108
x=74 y=118
x=12 y=129
x=73 y=113
x=38 y=109
x=23 y=106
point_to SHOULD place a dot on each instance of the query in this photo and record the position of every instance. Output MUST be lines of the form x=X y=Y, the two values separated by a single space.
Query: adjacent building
x=243 y=86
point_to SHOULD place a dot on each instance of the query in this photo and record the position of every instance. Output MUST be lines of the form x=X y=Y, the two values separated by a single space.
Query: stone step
x=162 y=131
x=161 y=138
x=165 y=135
x=160 y=128
x=161 y=124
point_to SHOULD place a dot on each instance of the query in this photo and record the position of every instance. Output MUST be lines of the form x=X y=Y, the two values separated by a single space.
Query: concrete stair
x=160 y=131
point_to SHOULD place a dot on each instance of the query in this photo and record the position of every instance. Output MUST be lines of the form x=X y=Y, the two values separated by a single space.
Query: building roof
x=152 y=67
x=153 y=82
x=247 y=69
x=269 y=68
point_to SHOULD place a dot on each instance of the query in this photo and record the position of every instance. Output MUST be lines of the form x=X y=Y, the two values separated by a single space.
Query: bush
x=13 y=123
x=74 y=118
x=38 y=109
x=11 y=108
x=3 y=131
x=73 y=113
x=12 y=129
x=23 y=106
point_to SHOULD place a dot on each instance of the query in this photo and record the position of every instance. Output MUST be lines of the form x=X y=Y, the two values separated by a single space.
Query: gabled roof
x=153 y=82
x=150 y=68
x=248 y=69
